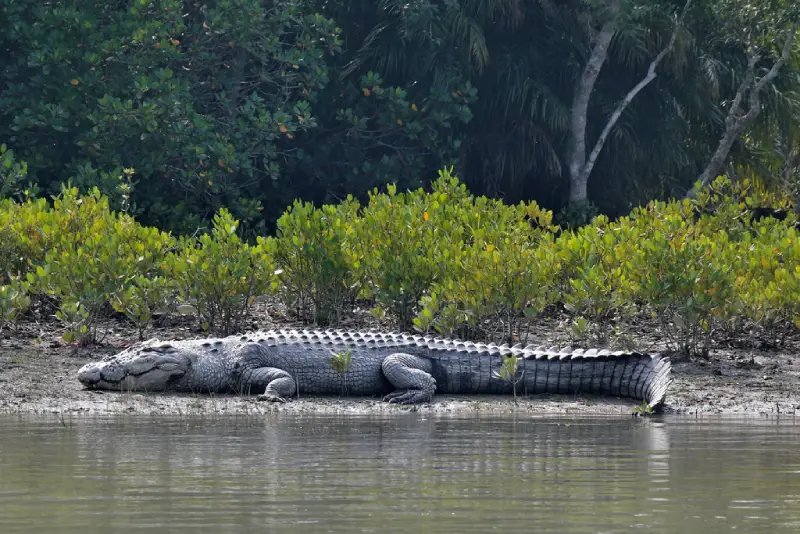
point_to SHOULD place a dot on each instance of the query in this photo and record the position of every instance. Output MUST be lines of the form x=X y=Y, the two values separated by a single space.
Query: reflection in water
x=392 y=474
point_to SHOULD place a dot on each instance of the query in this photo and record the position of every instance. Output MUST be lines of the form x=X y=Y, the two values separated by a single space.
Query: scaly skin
x=405 y=368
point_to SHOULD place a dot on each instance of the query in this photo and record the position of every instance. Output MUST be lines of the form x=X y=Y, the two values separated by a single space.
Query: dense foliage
x=248 y=105
x=442 y=261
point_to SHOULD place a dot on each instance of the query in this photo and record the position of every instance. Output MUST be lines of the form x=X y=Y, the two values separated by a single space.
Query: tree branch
x=735 y=123
x=644 y=82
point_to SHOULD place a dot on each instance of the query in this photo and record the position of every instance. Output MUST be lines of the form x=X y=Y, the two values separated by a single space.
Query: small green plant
x=501 y=275
x=340 y=362
x=90 y=254
x=643 y=409
x=508 y=373
x=404 y=243
x=767 y=281
x=579 y=329
x=77 y=321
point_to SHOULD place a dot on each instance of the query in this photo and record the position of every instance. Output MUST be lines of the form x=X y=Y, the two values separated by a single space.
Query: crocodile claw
x=410 y=396
x=269 y=397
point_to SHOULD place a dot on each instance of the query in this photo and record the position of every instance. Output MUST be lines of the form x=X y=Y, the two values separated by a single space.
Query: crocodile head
x=144 y=368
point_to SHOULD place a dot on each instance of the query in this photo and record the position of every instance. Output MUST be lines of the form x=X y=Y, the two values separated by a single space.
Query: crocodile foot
x=409 y=396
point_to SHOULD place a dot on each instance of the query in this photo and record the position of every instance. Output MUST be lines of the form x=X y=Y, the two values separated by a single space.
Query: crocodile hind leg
x=411 y=376
x=278 y=384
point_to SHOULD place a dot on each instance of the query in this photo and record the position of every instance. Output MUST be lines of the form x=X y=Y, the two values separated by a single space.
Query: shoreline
x=39 y=377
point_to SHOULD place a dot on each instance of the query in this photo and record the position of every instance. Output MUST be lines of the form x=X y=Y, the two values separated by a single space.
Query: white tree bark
x=736 y=121
x=580 y=167
x=580 y=104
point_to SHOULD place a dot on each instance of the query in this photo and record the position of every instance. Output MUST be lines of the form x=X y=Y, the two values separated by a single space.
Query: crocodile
x=404 y=368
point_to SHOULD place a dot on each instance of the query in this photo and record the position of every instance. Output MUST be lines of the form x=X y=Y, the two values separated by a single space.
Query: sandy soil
x=37 y=375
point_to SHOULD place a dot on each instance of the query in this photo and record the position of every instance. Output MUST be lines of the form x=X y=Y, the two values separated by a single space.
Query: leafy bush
x=683 y=275
x=142 y=297
x=767 y=283
x=27 y=231
x=82 y=269
x=12 y=173
x=221 y=275
x=407 y=242
x=731 y=206
x=318 y=272
x=89 y=259
x=14 y=300
x=92 y=255
x=595 y=261
x=503 y=274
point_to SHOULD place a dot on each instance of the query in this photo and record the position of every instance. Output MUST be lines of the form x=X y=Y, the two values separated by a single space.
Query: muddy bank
x=37 y=375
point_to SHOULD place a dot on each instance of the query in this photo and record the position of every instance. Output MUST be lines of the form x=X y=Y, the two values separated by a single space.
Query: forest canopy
x=177 y=109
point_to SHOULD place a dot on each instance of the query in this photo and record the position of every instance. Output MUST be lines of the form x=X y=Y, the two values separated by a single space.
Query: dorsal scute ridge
x=377 y=340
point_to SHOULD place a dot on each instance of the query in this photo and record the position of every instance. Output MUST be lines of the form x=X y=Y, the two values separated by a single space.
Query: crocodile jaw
x=143 y=372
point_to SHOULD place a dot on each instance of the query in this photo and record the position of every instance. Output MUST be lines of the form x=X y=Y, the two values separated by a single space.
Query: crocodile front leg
x=411 y=375
x=278 y=384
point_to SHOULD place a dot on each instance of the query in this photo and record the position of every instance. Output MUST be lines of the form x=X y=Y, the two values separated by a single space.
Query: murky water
x=405 y=473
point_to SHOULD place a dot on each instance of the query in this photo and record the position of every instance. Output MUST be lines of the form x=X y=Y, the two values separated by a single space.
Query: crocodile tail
x=660 y=378
x=638 y=375
x=623 y=373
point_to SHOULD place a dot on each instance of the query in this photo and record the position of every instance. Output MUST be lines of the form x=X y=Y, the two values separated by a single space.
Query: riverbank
x=37 y=375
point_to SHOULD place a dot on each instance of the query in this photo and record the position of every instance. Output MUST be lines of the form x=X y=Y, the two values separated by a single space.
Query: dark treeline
x=248 y=104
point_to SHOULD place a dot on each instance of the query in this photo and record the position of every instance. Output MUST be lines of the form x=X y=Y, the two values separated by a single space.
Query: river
x=404 y=473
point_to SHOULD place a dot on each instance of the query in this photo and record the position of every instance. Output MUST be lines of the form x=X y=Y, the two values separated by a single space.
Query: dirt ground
x=38 y=375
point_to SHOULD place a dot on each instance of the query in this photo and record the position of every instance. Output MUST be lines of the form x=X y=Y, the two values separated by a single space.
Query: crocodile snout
x=89 y=375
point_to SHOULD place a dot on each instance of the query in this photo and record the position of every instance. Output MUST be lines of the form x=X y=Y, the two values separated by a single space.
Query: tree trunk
x=576 y=155
x=717 y=161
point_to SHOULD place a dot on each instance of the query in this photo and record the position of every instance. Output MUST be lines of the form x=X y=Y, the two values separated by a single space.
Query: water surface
x=405 y=473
